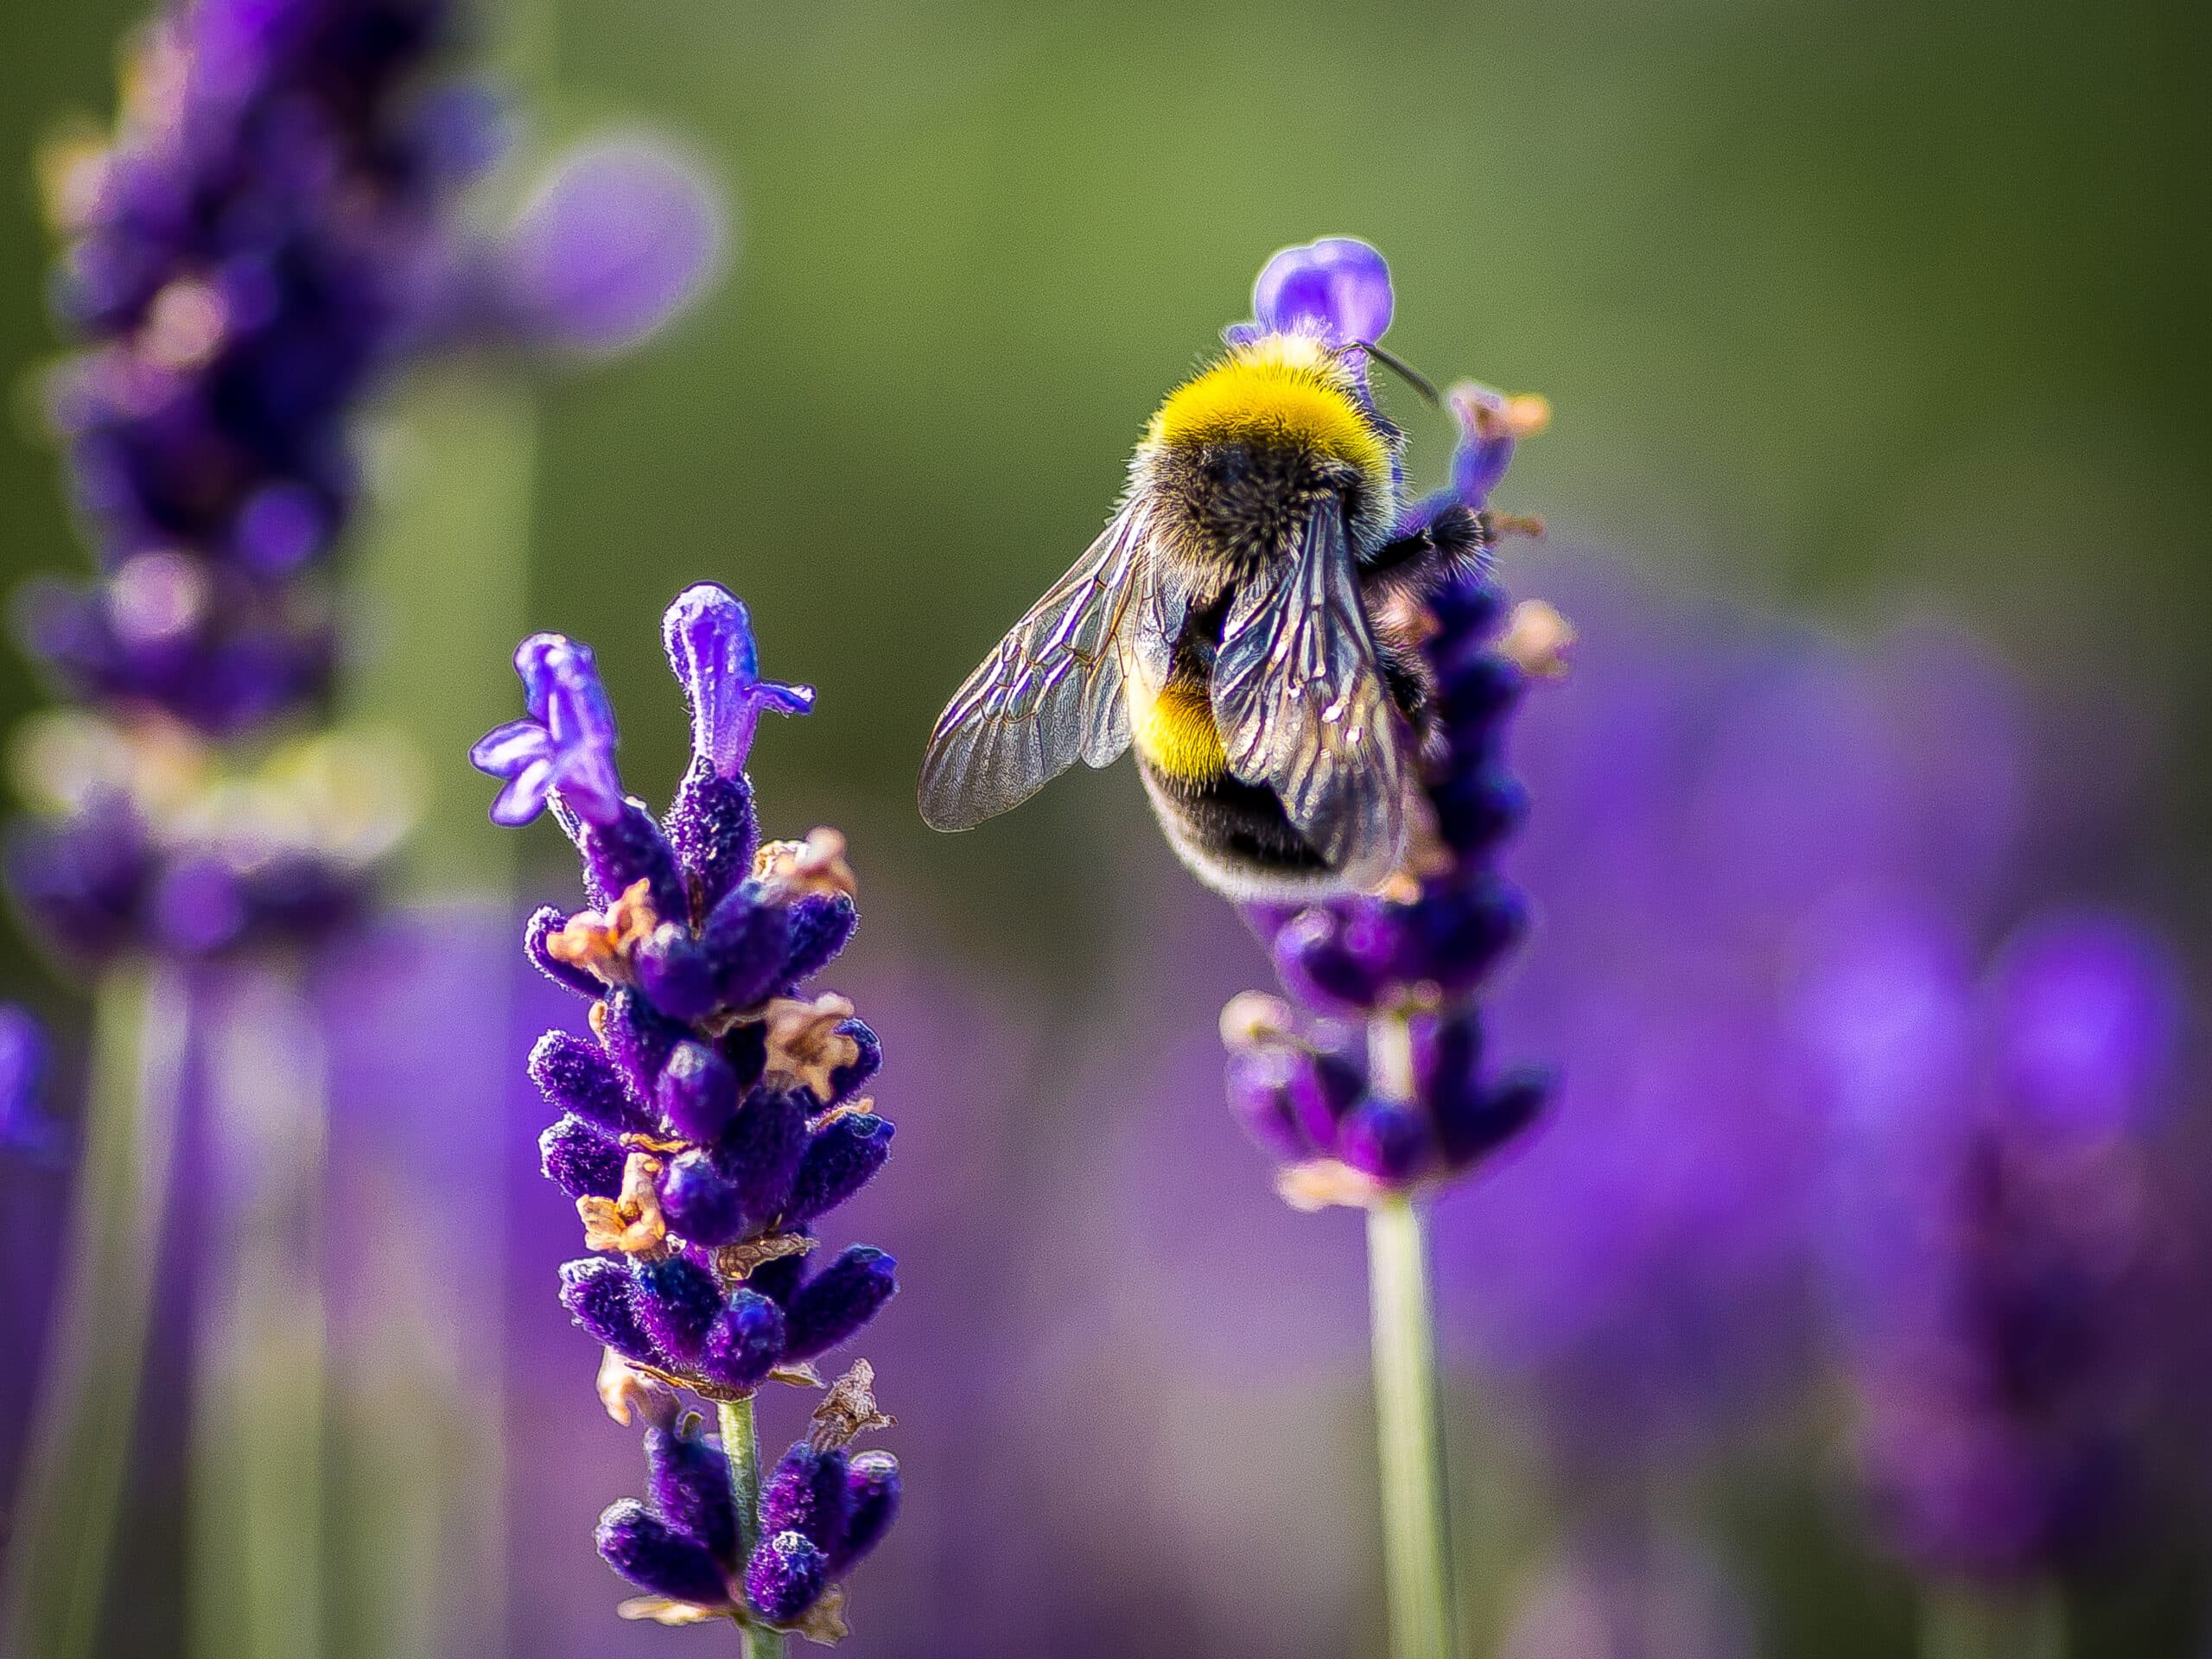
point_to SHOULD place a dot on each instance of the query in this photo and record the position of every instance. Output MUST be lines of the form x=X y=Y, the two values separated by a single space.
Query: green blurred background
x=1850 y=304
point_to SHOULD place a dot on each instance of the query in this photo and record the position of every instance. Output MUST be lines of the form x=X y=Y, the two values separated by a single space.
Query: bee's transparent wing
x=1303 y=709
x=1051 y=694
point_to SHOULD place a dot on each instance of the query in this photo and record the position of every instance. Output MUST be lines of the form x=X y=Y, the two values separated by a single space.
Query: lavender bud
x=575 y=1077
x=580 y=1159
x=841 y=1158
x=649 y=1552
x=699 y=1204
x=598 y=1294
x=697 y=1092
x=785 y=1577
x=1260 y=1081
x=762 y=1151
x=544 y=922
x=1482 y=1122
x=849 y=1079
x=1339 y=959
x=629 y=847
x=807 y=1493
x=745 y=1343
x=676 y=974
x=1477 y=808
x=712 y=827
x=872 y=1491
x=688 y=1480
x=1388 y=1140
x=822 y=924
x=831 y=1308
x=638 y=1038
x=677 y=1301
x=747 y=942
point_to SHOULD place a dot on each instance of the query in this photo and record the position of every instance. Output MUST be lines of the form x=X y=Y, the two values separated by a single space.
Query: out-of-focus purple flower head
x=1995 y=1244
x=1712 y=783
x=148 y=841
x=274 y=227
x=711 y=1120
x=1375 y=1078
x=622 y=234
x=26 y=1131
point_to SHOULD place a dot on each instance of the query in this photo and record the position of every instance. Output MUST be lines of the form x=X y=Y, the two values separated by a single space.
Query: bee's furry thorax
x=1233 y=458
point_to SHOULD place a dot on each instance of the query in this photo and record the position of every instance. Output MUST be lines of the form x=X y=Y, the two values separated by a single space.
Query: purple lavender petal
x=708 y=635
x=1338 y=287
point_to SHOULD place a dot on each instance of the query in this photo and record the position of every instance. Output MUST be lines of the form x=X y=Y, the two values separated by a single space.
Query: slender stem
x=741 y=1446
x=1957 y=1621
x=259 y=1475
x=1417 y=1564
x=80 y=1438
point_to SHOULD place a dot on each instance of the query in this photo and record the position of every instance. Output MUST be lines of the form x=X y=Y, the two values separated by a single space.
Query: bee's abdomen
x=1235 y=835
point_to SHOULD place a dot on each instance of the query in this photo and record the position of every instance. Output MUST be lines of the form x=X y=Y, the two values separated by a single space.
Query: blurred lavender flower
x=1377 y=1080
x=25 y=1130
x=1996 y=1253
x=273 y=230
x=1615 y=1597
x=1715 y=782
x=706 y=1125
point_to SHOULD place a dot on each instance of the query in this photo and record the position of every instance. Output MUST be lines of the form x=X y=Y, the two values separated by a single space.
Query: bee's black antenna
x=1413 y=377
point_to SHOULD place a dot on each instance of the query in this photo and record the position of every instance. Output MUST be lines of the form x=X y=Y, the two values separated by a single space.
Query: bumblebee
x=1247 y=622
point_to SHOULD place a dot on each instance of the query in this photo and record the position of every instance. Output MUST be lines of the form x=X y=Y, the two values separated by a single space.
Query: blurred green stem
x=80 y=1437
x=1416 y=1558
x=741 y=1446
x=260 y=1476
x=1958 y=1622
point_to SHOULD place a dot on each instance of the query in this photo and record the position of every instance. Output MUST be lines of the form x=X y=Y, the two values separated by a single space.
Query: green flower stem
x=1417 y=1563
x=1957 y=1621
x=79 y=1447
x=260 y=1480
x=741 y=1446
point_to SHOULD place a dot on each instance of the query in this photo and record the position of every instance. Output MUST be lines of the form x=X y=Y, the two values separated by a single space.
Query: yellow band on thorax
x=1288 y=389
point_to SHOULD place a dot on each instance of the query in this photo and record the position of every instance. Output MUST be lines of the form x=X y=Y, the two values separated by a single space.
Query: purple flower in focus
x=1336 y=288
x=1995 y=1249
x=566 y=743
x=711 y=1120
x=710 y=646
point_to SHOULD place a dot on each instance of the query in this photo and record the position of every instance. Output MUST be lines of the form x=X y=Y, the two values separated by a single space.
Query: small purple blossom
x=564 y=746
x=1338 y=289
x=711 y=1120
x=709 y=634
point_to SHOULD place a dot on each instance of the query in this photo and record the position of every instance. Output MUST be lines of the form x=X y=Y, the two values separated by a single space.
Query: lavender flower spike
x=707 y=1126
x=709 y=634
x=1373 y=1085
